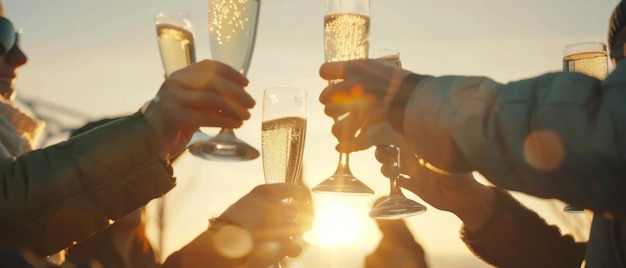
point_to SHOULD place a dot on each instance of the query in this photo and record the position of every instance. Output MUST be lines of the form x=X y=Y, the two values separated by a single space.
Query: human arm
x=515 y=236
x=61 y=194
x=496 y=227
x=559 y=135
x=255 y=231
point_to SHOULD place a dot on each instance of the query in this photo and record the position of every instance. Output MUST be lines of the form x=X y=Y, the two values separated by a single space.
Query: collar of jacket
x=18 y=130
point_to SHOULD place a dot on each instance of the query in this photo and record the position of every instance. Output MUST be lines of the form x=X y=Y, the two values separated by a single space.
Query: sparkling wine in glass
x=175 y=38
x=232 y=31
x=346 y=37
x=283 y=132
x=590 y=58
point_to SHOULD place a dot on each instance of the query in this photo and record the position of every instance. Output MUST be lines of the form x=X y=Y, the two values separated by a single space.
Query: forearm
x=478 y=207
x=515 y=236
x=66 y=192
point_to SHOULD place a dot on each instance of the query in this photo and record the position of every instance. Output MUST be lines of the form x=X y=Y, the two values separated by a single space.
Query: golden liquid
x=346 y=37
x=282 y=143
x=176 y=45
x=592 y=63
x=232 y=31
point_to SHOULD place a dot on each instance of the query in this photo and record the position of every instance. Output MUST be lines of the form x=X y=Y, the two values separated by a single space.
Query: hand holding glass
x=175 y=38
x=396 y=206
x=283 y=133
x=346 y=37
x=232 y=31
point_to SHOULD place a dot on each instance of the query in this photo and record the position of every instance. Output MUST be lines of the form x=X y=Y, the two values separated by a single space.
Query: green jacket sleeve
x=559 y=135
x=56 y=196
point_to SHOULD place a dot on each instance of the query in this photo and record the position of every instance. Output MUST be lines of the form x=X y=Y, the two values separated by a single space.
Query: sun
x=339 y=220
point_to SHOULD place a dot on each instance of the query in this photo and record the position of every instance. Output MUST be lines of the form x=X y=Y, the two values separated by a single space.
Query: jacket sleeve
x=516 y=236
x=559 y=135
x=56 y=196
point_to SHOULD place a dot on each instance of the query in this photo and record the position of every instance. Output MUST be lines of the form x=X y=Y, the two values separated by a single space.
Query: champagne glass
x=232 y=31
x=346 y=37
x=176 y=45
x=590 y=58
x=283 y=133
x=396 y=206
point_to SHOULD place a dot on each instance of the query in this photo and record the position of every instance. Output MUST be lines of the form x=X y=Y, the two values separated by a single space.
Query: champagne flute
x=396 y=206
x=283 y=133
x=232 y=31
x=176 y=45
x=346 y=37
x=590 y=58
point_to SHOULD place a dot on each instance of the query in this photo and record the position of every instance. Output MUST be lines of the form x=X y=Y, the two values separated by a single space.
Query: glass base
x=199 y=136
x=569 y=208
x=345 y=184
x=225 y=147
x=396 y=207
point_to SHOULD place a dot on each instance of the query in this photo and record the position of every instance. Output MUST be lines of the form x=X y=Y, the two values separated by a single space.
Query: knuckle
x=260 y=189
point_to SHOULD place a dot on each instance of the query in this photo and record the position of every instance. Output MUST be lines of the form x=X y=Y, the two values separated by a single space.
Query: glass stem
x=394 y=189
x=227 y=131
x=344 y=166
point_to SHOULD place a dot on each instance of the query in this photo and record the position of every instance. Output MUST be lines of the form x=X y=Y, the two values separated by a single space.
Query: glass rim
x=181 y=18
x=359 y=7
x=280 y=93
x=286 y=86
x=186 y=13
x=584 y=46
x=384 y=49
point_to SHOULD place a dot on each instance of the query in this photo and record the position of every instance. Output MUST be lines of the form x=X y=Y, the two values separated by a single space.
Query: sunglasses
x=8 y=36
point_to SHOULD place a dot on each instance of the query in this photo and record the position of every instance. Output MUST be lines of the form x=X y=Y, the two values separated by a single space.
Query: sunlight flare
x=339 y=220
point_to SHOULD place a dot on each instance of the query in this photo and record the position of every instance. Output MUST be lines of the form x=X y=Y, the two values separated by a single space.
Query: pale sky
x=100 y=57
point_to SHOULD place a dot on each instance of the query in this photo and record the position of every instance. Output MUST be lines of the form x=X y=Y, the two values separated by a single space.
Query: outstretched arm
x=559 y=135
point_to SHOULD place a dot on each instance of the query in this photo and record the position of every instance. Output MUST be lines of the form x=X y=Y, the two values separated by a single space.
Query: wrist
x=396 y=100
x=224 y=244
x=231 y=240
x=481 y=212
